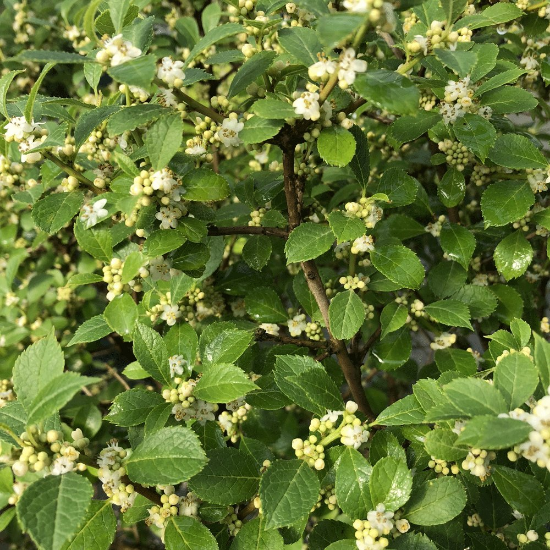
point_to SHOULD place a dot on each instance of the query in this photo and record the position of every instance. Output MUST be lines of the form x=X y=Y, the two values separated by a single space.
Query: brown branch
x=351 y=372
x=215 y=231
x=389 y=41
x=115 y=374
x=261 y=336
x=146 y=492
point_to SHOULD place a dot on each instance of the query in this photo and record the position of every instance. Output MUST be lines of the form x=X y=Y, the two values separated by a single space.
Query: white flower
x=17 y=129
x=529 y=62
x=356 y=6
x=170 y=70
x=380 y=519
x=354 y=436
x=167 y=98
x=92 y=214
x=119 y=50
x=176 y=363
x=270 y=328
x=363 y=244
x=297 y=325
x=228 y=133
x=159 y=268
x=323 y=67
x=62 y=465
x=402 y=525
x=170 y=314
x=307 y=105
x=26 y=147
x=444 y=340
x=196 y=151
x=349 y=66
x=225 y=421
x=162 y=180
x=168 y=216
x=189 y=505
x=422 y=41
x=262 y=156
x=332 y=416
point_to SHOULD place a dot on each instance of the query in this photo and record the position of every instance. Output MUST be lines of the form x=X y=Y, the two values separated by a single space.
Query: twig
x=114 y=372
x=71 y=171
x=146 y=492
x=261 y=335
x=215 y=231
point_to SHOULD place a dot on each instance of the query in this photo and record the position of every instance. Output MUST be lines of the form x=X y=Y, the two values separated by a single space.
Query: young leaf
x=336 y=146
x=163 y=139
x=346 y=314
x=223 y=383
x=308 y=241
x=353 y=473
x=121 y=315
x=513 y=255
x=150 y=351
x=516 y=377
x=392 y=318
x=54 y=211
x=204 y=185
x=390 y=483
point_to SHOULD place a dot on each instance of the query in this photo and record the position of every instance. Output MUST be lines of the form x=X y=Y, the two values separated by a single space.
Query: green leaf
x=6 y=517
x=257 y=251
x=150 y=351
x=305 y=382
x=12 y=417
x=499 y=80
x=50 y=56
x=493 y=15
x=51 y=509
x=458 y=243
x=56 y=394
x=413 y=541
x=230 y=476
x=302 y=43
x=132 y=264
x=223 y=383
x=392 y=318
x=131 y=117
x=475 y=397
x=212 y=37
x=29 y=106
x=132 y=407
x=390 y=483
x=91 y=330
x=389 y=91
x=509 y=99
x=346 y=314
x=97 y=531
x=409 y=128
x=273 y=109
x=476 y=133
x=452 y=188
x=257 y=129
x=513 y=255
x=345 y=228
x=506 y=201
x=308 y=241
x=163 y=139
x=442 y=444
x=399 y=264
x=288 y=490
x=517 y=379
x=136 y=72
x=450 y=312
x=436 y=501
x=334 y=28
x=360 y=163
x=253 y=536
x=459 y=61
x=400 y=188
x=336 y=146
x=265 y=306
x=486 y=60
x=456 y=360
x=522 y=492
x=249 y=71
x=353 y=473
x=5 y=82
x=186 y=533
x=517 y=152
x=167 y=457
x=490 y=432
x=223 y=346
x=453 y=8
x=161 y=242
x=121 y=315
x=117 y=12
x=96 y=242
x=56 y=210
x=204 y=185
x=401 y=413
x=394 y=351
x=40 y=363
x=446 y=278
x=542 y=359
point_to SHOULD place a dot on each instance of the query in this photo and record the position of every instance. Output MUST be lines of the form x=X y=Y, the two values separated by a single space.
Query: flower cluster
x=116 y=51
x=28 y=135
x=371 y=534
x=459 y=100
x=231 y=419
x=366 y=210
x=478 y=462
x=186 y=406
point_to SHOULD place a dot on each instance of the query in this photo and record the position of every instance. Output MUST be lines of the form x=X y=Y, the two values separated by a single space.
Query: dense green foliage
x=274 y=275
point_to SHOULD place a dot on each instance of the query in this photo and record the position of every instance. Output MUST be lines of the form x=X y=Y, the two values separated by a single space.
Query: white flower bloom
x=119 y=50
x=444 y=340
x=402 y=525
x=159 y=269
x=162 y=180
x=356 y=6
x=170 y=314
x=26 y=147
x=168 y=216
x=307 y=105
x=176 y=363
x=17 y=129
x=228 y=133
x=270 y=328
x=363 y=244
x=196 y=151
x=189 y=505
x=170 y=70
x=167 y=98
x=62 y=465
x=380 y=519
x=332 y=416
x=262 y=157
x=529 y=62
x=354 y=436
x=297 y=325
x=323 y=67
x=349 y=66
x=92 y=214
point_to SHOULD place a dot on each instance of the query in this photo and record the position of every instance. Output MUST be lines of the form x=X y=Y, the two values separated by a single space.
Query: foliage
x=274 y=275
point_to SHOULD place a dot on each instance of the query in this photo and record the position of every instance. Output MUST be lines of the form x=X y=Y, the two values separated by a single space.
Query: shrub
x=274 y=275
